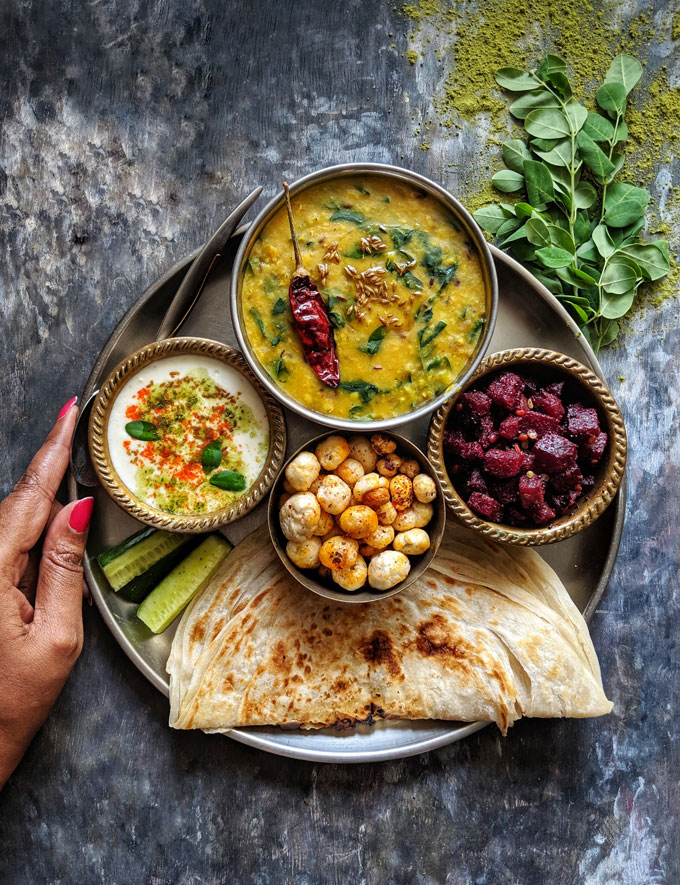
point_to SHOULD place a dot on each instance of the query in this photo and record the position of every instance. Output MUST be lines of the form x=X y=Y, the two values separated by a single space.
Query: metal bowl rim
x=462 y=214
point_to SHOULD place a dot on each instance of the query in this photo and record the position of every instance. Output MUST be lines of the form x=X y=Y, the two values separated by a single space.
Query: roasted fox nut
x=386 y=514
x=382 y=444
x=304 y=554
x=376 y=498
x=334 y=494
x=332 y=451
x=382 y=537
x=387 y=569
x=302 y=471
x=359 y=521
x=362 y=451
x=350 y=471
x=326 y=524
x=339 y=553
x=352 y=578
x=401 y=492
x=410 y=468
x=405 y=520
x=413 y=542
x=367 y=483
x=424 y=488
x=388 y=465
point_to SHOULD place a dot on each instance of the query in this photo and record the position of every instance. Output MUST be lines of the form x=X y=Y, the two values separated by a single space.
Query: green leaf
x=539 y=183
x=547 y=124
x=621 y=133
x=594 y=158
x=426 y=338
x=553 y=256
x=524 y=210
x=271 y=287
x=508 y=181
x=412 y=282
x=279 y=307
x=540 y=99
x=254 y=265
x=507 y=227
x=576 y=115
x=440 y=362
x=372 y=346
x=561 y=238
x=255 y=314
x=476 y=329
x=544 y=144
x=611 y=97
x=280 y=368
x=365 y=389
x=578 y=278
x=348 y=215
x=211 y=456
x=609 y=332
x=624 y=70
x=228 y=481
x=651 y=258
x=400 y=236
x=551 y=64
x=603 y=242
x=587 y=252
x=515 y=152
x=143 y=430
x=537 y=232
x=560 y=155
x=515 y=80
x=614 y=306
x=618 y=161
x=582 y=226
x=560 y=83
x=579 y=311
x=490 y=218
x=584 y=195
x=599 y=128
x=620 y=275
x=624 y=203
x=519 y=234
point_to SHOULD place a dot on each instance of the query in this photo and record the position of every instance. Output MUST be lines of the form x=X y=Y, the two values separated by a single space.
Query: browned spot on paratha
x=434 y=639
x=378 y=650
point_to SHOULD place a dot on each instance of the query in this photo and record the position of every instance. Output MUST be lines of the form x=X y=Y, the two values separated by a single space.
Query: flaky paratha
x=487 y=633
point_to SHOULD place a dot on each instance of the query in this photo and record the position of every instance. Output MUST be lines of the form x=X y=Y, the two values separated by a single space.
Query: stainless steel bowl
x=462 y=216
x=325 y=587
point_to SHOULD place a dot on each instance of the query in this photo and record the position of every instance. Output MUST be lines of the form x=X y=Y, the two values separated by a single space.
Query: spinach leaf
x=365 y=389
x=375 y=339
x=348 y=215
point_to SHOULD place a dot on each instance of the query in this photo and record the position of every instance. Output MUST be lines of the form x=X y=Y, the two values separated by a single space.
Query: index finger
x=25 y=511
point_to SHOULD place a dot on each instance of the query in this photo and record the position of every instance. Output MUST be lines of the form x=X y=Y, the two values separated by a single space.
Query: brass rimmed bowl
x=609 y=472
x=326 y=587
x=124 y=496
x=462 y=217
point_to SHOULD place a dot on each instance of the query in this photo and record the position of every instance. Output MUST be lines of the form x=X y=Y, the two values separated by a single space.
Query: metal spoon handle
x=197 y=275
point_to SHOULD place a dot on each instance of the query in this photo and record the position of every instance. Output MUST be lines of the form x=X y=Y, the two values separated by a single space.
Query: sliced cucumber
x=133 y=556
x=162 y=605
x=139 y=588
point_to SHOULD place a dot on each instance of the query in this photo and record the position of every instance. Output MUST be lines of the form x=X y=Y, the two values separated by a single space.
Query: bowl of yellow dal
x=409 y=286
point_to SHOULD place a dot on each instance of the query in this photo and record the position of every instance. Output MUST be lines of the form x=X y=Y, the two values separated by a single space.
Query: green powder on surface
x=472 y=40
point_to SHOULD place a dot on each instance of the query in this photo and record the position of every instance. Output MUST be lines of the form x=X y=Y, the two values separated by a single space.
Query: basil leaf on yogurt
x=211 y=456
x=228 y=481
x=143 y=430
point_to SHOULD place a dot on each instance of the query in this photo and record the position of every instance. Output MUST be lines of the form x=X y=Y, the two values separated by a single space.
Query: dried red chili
x=310 y=316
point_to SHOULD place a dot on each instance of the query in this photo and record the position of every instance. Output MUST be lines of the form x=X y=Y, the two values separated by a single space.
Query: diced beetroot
x=530 y=385
x=538 y=423
x=486 y=506
x=567 y=479
x=593 y=451
x=556 y=388
x=506 y=390
x=503 y=463
x=510 y=426
x=522 y=405
x=531 y=491
x=549 y=404
x=588 y=483
x=554 y=453
x=582 y=423
x=528 y=459
x=542 y=514
x=453 y=442
x=471 y=451
x=573 y=496
x=505 y=490
x=486 y=432
x=476 y=401
x=475 y=482
x=513 y=516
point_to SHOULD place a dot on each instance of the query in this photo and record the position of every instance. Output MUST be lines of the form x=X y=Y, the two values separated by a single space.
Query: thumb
x=59 y=594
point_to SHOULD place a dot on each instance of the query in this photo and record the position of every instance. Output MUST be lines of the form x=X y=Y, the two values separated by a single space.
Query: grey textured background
x=129 y=127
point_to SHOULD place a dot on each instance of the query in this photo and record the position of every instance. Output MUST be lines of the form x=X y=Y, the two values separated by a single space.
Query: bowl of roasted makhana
x=357 y=518
x=363 y=295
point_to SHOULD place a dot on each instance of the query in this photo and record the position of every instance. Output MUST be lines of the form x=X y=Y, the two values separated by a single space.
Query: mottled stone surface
x=128 y=129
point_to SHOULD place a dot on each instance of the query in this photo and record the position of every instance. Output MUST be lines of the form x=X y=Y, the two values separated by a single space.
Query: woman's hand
x=41 y=625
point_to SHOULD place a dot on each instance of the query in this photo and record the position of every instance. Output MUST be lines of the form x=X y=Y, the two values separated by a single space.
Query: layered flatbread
x=487 y=633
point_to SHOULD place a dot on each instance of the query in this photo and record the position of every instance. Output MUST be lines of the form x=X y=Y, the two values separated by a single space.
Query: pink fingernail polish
x=69 y=404
x=80 y=515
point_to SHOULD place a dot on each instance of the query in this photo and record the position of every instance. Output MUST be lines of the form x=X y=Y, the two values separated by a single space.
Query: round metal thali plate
x=528 y=315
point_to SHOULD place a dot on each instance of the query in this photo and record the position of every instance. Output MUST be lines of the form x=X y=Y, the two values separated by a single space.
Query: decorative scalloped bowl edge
x=99 y=449
x=587 y=509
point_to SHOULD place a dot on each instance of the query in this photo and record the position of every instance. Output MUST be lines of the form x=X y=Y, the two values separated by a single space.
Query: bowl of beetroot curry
x=532 y=450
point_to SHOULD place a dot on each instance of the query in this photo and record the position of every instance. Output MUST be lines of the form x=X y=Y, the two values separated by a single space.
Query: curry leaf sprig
x=578 y=229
